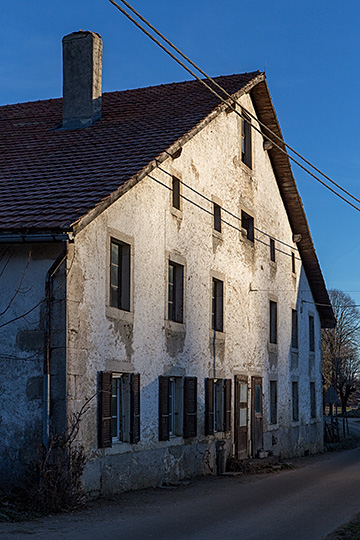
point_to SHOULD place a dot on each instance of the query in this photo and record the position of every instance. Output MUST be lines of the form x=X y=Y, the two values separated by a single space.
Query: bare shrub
x=54 y=481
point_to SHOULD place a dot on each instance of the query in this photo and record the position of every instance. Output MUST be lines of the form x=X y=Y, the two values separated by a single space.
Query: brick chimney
x=82 y=72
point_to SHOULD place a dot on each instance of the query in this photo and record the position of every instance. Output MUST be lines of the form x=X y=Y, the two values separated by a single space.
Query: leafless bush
x=54 y=481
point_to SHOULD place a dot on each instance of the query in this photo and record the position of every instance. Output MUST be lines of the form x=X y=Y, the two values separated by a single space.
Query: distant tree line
x=340 y=347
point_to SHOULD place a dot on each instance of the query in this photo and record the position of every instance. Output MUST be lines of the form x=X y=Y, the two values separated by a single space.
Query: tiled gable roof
x=49 y=177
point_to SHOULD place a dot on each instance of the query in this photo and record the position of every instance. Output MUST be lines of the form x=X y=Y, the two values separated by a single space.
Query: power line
x=234 y=101
x=209 y=212
x=224 y=209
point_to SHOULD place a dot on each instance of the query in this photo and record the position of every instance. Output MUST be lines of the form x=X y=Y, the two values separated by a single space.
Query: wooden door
x=241 y=417
x=256 y=416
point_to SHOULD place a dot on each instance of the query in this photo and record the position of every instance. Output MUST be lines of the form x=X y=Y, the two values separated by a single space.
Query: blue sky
x=310 y=51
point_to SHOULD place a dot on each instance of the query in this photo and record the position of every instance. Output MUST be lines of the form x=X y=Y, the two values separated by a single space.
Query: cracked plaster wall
x=102 y=338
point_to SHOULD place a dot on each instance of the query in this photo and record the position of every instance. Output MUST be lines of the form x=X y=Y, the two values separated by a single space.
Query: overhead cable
x=210 y=212
x=235 y=101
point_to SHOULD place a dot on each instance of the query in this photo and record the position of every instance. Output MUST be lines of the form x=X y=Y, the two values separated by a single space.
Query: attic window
x=247 y=223
x=246 y=140
x=272 y=250
x=176 y=192
x=217 y=217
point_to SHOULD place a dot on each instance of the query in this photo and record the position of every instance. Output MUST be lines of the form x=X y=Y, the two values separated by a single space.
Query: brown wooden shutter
x=135 y=408
x=163 y=408
x=190 y=407
x=105 y=439
x=227 y=404
x=209 y=406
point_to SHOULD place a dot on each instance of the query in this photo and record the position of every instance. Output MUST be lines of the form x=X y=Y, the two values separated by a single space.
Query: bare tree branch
x=19 y=287
x=341 y=361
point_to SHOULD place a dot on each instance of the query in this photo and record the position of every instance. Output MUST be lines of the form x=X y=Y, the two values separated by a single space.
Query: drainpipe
x=214 y=355
x=47 y=351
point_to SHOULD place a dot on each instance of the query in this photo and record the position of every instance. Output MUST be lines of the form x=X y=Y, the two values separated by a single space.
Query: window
x=246 y=140
x=273 y=322
x=294 y=329
x=247 y=223
x=176 y=192
x=293 y=267
x=217 y=405
x=295 y=401
x=217 y=217
x=272 y=250
x=176 y=292
x=177 y=407
x=312 y=400
x=217 y=305
x=273 y=402
x=311 y=333
x=119 y=408
x=120 y=254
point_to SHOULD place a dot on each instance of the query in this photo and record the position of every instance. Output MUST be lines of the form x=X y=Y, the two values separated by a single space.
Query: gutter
x=47 y=336
x=25 y=238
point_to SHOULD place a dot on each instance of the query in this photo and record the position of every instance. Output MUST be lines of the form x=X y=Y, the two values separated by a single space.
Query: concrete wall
x=142 y=340
x=22 y=284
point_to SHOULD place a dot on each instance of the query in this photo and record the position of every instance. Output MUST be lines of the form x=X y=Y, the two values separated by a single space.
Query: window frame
x=176 y=193
x=120 y=299
x=177 y=407
x=114 y=312
x=272 y=250
x=217 y=217
x=175 y=291
x=294 y=329
x=131 y=409
x=311 y=333
x=246 y=140
x=218 y=405
x=273 y=322
x=248 y=226
x=217 y=304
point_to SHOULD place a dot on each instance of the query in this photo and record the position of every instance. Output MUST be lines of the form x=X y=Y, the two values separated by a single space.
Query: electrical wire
x=235 y=101
x=209 y=212
x=223 y=209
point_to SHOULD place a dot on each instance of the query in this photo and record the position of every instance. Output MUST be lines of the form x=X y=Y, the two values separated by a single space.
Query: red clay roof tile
x=49 y=177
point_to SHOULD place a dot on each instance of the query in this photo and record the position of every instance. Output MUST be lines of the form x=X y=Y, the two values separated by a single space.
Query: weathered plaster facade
x=101 y=338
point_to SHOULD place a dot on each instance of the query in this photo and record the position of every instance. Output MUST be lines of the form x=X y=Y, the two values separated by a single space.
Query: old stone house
x=154 y=254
